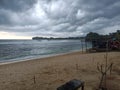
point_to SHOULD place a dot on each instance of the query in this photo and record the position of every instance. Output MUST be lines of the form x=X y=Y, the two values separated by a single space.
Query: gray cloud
x=16 y=5
x=59 y=17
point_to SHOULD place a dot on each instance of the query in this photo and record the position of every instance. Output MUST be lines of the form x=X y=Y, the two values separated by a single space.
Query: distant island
x=89 y=37
x=52 y=38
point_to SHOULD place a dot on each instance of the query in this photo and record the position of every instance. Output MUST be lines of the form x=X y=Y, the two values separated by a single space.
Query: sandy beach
x=49 y=73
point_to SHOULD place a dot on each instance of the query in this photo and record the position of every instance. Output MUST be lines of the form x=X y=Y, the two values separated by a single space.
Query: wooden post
x=106 y=63
x=34 y=79
x=82 y=88
x=86 y=45
x=76 y=66
x=111 y=69
x=82 y=45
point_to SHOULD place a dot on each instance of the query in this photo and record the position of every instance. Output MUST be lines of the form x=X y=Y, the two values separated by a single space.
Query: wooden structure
x=101 y=45
x=72 y=85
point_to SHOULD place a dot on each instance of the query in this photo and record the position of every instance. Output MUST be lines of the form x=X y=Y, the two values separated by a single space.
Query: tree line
x=95 y=36
x=52 y=38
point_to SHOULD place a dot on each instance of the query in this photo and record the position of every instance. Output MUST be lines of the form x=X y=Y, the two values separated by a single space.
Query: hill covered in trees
x=95 y=36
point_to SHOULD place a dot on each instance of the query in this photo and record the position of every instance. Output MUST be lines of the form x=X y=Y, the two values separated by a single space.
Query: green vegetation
x=95 y=36
x=92 y=36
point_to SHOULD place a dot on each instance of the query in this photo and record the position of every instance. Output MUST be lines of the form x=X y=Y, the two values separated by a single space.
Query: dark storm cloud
x=16 y=5
x=59 y=17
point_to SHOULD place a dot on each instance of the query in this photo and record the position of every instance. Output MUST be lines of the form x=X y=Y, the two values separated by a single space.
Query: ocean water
x=16 y=50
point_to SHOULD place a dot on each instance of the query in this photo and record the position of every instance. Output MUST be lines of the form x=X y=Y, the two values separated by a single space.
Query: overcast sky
x=22 y=19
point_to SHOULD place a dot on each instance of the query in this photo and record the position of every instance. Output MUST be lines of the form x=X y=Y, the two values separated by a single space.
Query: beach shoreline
x=51 y=72
x=11 y=51
x=40 y=57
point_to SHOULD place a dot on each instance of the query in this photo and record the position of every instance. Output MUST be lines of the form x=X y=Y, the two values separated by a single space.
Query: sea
x=19 y=50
